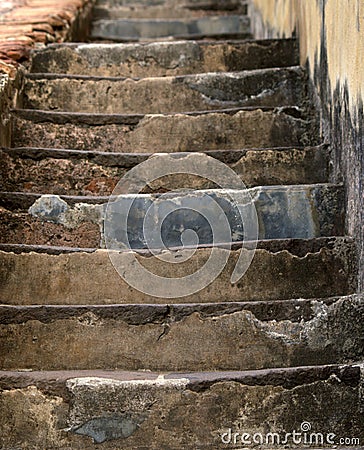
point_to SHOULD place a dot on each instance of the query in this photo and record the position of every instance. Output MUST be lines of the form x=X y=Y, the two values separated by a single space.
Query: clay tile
x=56 y=21
x=44 y=27
x=8 y=66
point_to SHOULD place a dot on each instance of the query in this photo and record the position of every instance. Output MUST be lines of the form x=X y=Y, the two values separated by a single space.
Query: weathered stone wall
x=331 y=34
x=5 y=89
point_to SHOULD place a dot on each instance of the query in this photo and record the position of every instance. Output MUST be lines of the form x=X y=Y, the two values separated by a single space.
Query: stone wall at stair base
x=331 y=45
x=5 y=89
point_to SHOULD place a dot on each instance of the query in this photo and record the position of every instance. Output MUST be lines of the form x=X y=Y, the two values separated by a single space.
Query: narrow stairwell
x=91 y=354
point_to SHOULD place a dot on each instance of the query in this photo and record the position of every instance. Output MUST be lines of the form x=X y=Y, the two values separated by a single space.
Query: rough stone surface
x=22 y=228
x=90 y=278
x=164 y=58
x=164 y=133
x=63 y=172
x=140 y=221
x=88 y=317
x=118 y=10
x=131 y=30
x=159 y=338
x=5 y=102
x=211 y=91
x=179 y=412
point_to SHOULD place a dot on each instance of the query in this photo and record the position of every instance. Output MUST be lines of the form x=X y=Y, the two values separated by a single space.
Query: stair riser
x=177 y=413
x=207 y=6
x=111 y=338
x=81 y=174
x=112 y=11
x=160 y=59
x=274 y=87
x=179 y=28
x=176 y=133
x=90 y=278
x=289 y=212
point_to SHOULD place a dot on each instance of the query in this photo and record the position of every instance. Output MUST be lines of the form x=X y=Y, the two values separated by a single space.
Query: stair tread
x=294 y=310
x=296 y=247
x=208 y=91
x=289 y=377
x=164 y=58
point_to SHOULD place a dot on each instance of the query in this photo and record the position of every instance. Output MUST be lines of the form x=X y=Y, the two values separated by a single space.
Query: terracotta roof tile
x=26 y=22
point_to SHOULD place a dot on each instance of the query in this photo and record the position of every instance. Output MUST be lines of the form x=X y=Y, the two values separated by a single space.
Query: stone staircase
x=94 y=355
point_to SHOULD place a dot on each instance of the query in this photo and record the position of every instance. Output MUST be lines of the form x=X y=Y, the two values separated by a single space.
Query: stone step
x=84 y=173
x=219 y=26
x=200 y=131
x=160 y=220
x=198 y=410
x=240 y=336
x=207 y=5
x=210 y=91
x=115 y=9
x=174 y=8
x=112 y=10
x=164 y=58
x=280 y=270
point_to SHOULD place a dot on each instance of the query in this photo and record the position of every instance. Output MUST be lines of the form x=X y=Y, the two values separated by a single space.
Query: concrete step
x=199 y=131
x=280 y=270
x=215 y=215
x=219 y=26
x=164 y=58
x=241 y=336
x=210 y=91
x=203 y=410
x=84 y=173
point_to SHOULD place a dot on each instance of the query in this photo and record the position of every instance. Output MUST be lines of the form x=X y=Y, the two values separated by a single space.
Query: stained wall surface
x=331 y=35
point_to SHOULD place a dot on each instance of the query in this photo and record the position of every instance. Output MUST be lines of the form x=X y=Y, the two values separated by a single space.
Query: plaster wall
x=331 y=36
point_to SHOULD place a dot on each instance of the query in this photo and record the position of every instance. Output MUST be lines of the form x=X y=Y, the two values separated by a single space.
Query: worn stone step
x=280 y=270
x=164 y=58
x=191 y=5
x=210 y=91
x=84 y=173
x=199 y=410
x=240 y=336
x=111 y=9
x=200 y=131
x=220 y=26
x=208 y=5
x=157 y=221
